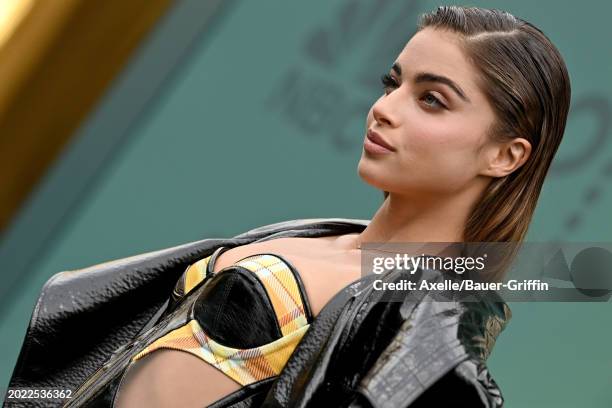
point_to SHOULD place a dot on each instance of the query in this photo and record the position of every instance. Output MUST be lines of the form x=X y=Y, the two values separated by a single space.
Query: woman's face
x=435 y=134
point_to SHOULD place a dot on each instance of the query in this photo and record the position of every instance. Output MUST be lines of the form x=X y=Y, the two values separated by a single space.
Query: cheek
x=444 y=139
x=442 y=151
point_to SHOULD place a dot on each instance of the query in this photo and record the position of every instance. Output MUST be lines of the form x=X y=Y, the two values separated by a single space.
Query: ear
x=504 y=158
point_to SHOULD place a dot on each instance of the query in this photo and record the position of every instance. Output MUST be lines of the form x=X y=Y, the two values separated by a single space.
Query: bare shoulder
x=299 y=249
x=285 y=247
x=323 y=268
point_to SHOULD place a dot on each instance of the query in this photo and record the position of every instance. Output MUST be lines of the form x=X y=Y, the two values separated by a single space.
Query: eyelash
x=388 y=82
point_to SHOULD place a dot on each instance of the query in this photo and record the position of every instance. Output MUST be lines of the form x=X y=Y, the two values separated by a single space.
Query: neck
x=405 y=219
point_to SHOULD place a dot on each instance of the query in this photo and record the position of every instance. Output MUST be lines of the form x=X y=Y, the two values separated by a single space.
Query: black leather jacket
x=360 y=351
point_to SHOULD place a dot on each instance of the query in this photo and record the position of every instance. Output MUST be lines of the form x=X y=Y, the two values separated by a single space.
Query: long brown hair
x=526 y=81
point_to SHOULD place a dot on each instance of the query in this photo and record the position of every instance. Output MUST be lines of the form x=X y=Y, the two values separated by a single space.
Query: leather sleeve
x=82 y=316
x=373 y=352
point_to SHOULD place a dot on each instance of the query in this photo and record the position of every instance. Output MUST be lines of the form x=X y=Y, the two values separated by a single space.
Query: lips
x=378 y=139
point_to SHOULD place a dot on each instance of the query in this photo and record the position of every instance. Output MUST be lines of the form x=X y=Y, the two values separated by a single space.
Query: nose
x=382 y=112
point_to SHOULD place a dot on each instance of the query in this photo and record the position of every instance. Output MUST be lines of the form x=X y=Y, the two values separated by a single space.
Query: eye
x=432 y=102
x=388 y=82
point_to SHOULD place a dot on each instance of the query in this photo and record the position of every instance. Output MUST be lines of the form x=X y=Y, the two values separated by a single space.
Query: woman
x=473 y=110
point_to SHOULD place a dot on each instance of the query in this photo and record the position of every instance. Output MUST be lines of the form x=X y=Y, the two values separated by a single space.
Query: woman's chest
x=323 y=269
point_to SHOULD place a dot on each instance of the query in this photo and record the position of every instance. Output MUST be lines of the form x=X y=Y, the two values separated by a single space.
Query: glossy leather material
x=82 y=317
x=360 y=351
x=365 y=351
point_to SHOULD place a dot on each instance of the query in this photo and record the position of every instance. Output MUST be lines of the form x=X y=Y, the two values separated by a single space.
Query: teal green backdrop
x=273 y=95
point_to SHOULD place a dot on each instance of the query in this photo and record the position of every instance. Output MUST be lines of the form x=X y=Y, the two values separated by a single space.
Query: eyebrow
x=429 y=77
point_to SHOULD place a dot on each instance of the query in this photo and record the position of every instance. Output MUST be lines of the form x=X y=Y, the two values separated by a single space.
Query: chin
x=362 y=167
x=370 y=174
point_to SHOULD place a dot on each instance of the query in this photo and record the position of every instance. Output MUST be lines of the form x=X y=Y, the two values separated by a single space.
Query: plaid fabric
x=245 y=366
x=194 y=274
x=282 y=288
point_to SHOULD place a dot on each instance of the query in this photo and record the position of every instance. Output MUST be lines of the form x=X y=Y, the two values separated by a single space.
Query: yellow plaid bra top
x=247 y=320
